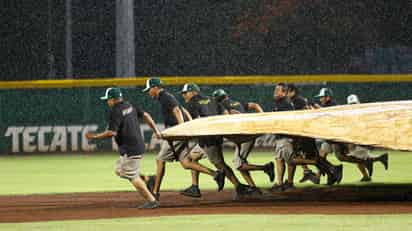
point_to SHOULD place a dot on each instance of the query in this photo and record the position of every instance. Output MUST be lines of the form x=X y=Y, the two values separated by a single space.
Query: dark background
x=233 y=37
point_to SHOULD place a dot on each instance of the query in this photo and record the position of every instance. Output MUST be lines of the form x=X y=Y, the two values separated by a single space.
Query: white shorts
x=128 y=166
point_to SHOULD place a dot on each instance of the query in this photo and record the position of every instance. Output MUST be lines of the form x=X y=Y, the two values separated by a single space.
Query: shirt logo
x=127 y=111
x=204 y=101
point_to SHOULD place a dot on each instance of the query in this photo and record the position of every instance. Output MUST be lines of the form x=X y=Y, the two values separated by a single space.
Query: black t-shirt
x=283 y=104
x=203 y=106
x=299 y=103
x=330 y=103
x=167 y=103
x=124 y=121
x=229 y=104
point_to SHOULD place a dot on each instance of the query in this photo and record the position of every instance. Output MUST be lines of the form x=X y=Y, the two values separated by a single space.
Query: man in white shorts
x=124 y=126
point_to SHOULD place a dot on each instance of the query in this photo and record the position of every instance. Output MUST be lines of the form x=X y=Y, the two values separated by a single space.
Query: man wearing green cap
x=172 y=114
x=240 y=162
x=124 y=126
x=203 y=106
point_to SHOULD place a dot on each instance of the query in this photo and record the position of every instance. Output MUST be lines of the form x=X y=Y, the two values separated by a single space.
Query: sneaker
x=220 y=179
x=277 y=188
x=270 y=171
x=331 y=179
x=366 y=179
x=314 y=178
x=288 y=186
x=369 y=166
x=240 y=191
x=306 y=176
x=192 y=191
x=151 y=182
x=150 y=205
x=253 y=190
x=384 y=160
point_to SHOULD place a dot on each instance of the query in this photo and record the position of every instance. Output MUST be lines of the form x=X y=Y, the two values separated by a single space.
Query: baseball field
x=80 y=192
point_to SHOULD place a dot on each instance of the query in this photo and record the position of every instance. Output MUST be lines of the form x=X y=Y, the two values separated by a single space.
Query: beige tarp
x=386 y=124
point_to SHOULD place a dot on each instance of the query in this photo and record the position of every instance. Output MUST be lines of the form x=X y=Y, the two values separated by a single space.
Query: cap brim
x=146 y=89
x=104 y=98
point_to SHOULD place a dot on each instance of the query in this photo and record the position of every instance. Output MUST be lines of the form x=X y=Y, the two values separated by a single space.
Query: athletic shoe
x=384 y=160
x=277 y=188
x=151 y=182
x=241 y=190
x=150 y=205
x=307 y=174
x=366 y=179
x=253 y=190
x=220 y=179
x=192 y=191
x=314 y=178
x=369 y=166
x=288 y=186
x=269 y=169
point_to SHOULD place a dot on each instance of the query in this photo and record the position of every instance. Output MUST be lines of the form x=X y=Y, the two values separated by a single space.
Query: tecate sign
x=50 y=138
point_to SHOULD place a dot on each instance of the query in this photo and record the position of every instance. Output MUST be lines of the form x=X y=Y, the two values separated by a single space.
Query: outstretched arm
x=149 y=121
x=255 y=107
x=178 y=114
x=103 y=135
x=189 y=117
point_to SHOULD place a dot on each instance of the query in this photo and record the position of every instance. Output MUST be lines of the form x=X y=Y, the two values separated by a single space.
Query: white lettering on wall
x=14 y=132
x=41 y=141
x=28 y=139
x=50 y=138
x=74 y=134
x=59 y=139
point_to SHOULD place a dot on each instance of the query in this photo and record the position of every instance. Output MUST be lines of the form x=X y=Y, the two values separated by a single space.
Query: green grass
x=229 y=222
x=94 y=172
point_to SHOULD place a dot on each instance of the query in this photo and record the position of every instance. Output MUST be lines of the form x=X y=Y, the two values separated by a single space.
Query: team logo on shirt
x=127 y=111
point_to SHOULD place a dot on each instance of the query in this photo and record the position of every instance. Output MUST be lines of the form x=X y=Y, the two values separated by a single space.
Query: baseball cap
x=353 y=99
x=190 y=87
x=324 y=92
x=112 y=93
x=219 y=93
x=152 y=82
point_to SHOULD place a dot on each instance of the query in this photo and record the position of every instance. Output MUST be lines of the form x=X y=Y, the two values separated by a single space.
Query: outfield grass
x=94 y=172
x=229 y=222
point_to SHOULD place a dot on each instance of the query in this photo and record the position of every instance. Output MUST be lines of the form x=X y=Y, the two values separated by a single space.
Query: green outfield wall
x=56 y=119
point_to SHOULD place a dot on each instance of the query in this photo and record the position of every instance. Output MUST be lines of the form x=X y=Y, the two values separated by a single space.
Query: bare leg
x=363 y=171
x=187 y=163
x=251 y=167
x=229 y=173
x=280 y=169
x=160 y=171
x=248 y=178
x=291 y=173
x=140 y=186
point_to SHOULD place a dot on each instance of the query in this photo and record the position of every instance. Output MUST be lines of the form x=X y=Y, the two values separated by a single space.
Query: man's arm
x=255 y=107
x=103 y=135
x=189 y=117
x=149 y=121
x=178 y=114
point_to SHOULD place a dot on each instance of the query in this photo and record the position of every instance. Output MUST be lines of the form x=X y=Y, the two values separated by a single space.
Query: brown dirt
x=334 y=200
